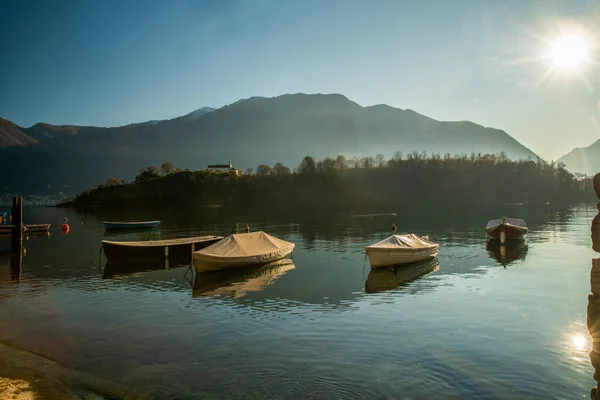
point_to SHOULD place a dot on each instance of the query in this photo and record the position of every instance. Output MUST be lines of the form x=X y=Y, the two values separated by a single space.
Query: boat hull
x=131 y=225
x=206 y=263
x=511 y=233
x=389 y=257
x=175 y=249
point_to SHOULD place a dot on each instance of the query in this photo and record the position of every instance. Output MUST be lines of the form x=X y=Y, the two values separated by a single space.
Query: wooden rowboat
x=29 y=228
x=131 y=225
x=513 y=229
x=157 y=249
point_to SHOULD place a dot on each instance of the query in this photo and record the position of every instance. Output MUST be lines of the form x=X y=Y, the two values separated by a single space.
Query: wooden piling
x=17 y=220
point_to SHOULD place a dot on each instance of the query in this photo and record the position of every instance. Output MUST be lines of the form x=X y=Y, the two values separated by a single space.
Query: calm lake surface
x=470 y=325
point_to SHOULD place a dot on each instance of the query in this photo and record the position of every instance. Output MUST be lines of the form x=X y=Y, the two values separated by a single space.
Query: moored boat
x=130 y=225
x=401 y=249
x=156 y=249
x=506 y=229
x=28 y=228
x=242 y=250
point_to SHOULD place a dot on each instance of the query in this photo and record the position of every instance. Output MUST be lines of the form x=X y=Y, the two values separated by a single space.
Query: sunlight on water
x=580 y=342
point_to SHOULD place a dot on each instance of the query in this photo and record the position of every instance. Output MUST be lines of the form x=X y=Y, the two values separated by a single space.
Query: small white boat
x=401 y=249
x=242 y=250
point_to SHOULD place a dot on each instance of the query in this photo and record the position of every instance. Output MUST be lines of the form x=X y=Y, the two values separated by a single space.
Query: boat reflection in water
x=238 y=282
x=115 y=269
x=392 y=278
x=507 y=254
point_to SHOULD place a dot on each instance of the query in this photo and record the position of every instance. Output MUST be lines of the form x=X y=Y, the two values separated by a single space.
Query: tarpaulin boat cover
x=403 y=241
x=246 y=245
x=515 y=222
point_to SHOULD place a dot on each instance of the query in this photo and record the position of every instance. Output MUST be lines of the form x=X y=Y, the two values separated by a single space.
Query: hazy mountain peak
x=585 y=160
x=199 y=112
x=12 y=135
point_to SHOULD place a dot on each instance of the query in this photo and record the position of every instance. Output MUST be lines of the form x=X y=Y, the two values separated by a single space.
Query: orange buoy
x=65 y=227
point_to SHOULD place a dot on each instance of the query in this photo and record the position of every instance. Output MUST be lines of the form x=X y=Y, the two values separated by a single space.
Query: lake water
x=469 y=325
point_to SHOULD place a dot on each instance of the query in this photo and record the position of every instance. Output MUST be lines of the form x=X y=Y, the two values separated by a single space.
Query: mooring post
x=502 y=231
x=17 y=220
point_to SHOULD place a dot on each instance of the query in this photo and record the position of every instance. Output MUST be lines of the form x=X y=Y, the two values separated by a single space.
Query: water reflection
x=392 y=278
x=507 y=254
x=239 y=282
x=113 y=269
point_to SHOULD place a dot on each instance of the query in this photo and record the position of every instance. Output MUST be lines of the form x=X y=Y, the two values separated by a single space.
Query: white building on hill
x=222 y=168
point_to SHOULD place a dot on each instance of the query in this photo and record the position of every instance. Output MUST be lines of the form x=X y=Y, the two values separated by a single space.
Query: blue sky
x=110 y=63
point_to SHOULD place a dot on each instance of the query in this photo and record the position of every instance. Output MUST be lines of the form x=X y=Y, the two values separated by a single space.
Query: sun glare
x=579 y=342
x=570 y=51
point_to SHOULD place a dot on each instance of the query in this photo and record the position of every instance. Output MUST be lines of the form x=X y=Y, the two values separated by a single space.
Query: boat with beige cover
x=242 y=250
x=401 y=249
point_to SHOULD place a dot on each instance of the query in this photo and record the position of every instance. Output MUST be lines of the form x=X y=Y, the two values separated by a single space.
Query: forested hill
x=341 y=184
x=247 y=133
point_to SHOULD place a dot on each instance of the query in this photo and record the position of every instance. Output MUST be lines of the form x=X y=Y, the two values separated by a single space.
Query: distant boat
x=29 y=228
x=401 y=249
x=156 y=249
x=513 y=228
x=242 y=250
x=131 y=225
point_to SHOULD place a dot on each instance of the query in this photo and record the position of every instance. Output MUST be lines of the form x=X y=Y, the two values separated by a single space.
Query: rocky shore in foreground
x=25 y=375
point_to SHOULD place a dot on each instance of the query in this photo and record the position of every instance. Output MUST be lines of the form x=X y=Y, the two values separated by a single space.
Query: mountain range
x=585 y=160
x=249 y=132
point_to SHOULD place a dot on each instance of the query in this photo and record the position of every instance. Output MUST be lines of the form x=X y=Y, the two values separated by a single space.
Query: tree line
x=414 y=179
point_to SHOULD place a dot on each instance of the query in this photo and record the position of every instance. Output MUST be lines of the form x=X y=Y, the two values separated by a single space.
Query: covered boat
x=401 y=249
x=242 y=250
x=156 y=249
x=505 y=229
x=131 y=225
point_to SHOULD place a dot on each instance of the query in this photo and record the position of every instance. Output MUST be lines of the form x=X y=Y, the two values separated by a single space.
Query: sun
x=570 y=51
